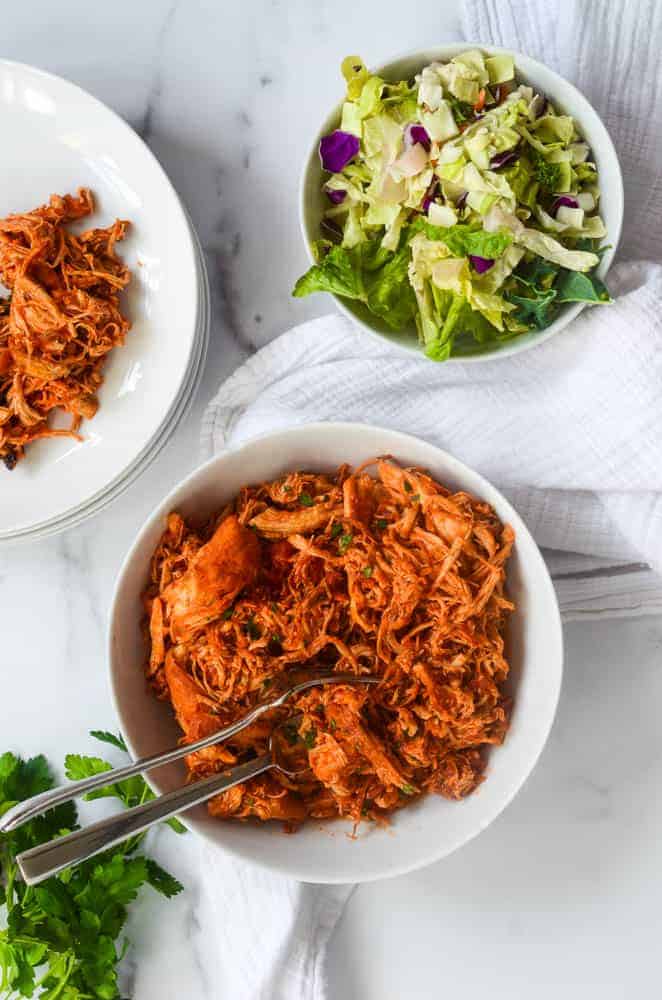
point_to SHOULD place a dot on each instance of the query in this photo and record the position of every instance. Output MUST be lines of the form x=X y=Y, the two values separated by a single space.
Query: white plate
x=57 y=138
x=428 y=830
x=179 y=411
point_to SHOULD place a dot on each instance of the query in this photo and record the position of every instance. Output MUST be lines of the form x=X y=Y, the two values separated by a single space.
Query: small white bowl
x=429 y=829
x=566 y=98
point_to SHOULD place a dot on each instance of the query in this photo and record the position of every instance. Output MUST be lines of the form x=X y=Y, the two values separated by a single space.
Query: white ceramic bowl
x=566 y=98
x=69 y=139
x=429 y=829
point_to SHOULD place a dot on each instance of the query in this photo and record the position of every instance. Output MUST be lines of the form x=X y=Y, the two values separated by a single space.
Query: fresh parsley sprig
x=60 y=941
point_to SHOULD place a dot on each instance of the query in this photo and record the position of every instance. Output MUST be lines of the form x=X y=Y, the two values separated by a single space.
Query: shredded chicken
x=395 y=576
x=60 y=322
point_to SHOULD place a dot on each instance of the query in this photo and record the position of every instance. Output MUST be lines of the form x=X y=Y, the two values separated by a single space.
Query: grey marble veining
x=228 y=96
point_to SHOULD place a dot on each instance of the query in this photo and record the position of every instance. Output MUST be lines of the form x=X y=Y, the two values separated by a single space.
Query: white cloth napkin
x=571 y=431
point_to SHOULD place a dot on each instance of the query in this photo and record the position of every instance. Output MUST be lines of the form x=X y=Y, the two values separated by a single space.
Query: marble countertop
x=562 y=892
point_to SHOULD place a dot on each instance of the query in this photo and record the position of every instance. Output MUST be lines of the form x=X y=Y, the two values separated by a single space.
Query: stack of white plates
x=57 y=138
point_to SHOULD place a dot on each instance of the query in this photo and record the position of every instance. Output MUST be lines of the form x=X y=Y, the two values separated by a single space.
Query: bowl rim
x=455 y=467
x=446 y=51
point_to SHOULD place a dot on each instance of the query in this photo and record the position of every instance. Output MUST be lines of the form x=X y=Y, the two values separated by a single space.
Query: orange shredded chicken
x=61 y=320
x=394 y=576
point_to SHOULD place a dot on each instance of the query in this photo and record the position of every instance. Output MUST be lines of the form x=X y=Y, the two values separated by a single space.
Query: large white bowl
x=429 y=829
x=567 y=99
x=56 y=138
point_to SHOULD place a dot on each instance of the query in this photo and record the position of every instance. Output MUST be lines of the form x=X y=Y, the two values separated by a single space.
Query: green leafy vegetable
x=465 y=239
x=306 y=500
x=110 y=738
x=376 y=277
x=336 y=530
x=536 y=308
x=462 y=112
x=338 y=272
x=252 y=629
x=60 y=938
x=573 y=286
x=367 y=572
x=547 y=174
x=344 y=542
x=309 y=738
x=408 y=789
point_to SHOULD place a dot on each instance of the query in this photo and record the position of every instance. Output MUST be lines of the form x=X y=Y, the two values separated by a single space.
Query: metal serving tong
x=48 y=859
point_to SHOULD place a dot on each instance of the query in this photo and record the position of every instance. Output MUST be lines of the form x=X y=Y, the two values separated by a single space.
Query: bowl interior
x=567 y=99
x=428 y=830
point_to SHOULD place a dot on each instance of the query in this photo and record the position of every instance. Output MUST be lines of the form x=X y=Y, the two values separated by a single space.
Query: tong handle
x=54 y=856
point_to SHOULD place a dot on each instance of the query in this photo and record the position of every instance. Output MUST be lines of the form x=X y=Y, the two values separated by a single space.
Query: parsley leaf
x=306 y=500
x=344 y=542
x=462 y=111
x=547 y=174
x=309 y=738
x=162 y=881
x=252 y=629
x=67 y=926
x=336 y=529
x=367 y=572
x=114 y=741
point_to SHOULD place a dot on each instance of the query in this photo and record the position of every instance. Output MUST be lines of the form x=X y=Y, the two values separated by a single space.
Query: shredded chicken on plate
x=61 y=320
x=392 y=575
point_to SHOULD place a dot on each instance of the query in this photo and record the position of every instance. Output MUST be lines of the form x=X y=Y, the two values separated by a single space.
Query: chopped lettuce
x=480 y=233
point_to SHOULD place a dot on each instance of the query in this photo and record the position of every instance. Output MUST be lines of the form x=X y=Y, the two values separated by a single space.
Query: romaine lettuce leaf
x=467 y=238
x=369 y=274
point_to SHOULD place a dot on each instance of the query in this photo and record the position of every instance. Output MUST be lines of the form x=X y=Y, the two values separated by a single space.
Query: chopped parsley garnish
x=336 y=530
x=415 y=498
x=408 y=486
x=309 y=738
x=367 y=571
x=408 y=790
x=332 y=724
x=547 y=174
x=227 y=614
x=291 y=733
x=252 y=629
x=306 y=500
x=344 y=542
x=287 y=488
x=381 y=523
x=462 y=111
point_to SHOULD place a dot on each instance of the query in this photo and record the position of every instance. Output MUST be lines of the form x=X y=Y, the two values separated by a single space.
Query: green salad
x=461 y=200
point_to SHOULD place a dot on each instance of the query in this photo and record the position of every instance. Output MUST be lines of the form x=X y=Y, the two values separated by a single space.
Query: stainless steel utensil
x=48 y=859
x=285 y=686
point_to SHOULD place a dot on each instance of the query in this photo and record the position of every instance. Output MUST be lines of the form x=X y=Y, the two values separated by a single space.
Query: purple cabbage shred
x=430 y=195
x=417 y=134
x=504 y=159
x=335 y=196
x=337 y=149
x=481 y=264
x=564 y=199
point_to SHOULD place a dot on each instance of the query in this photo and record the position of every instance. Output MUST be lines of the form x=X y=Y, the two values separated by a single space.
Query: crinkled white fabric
x=571 y=431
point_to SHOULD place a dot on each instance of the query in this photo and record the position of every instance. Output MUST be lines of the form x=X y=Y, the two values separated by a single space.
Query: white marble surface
x=562 y=893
